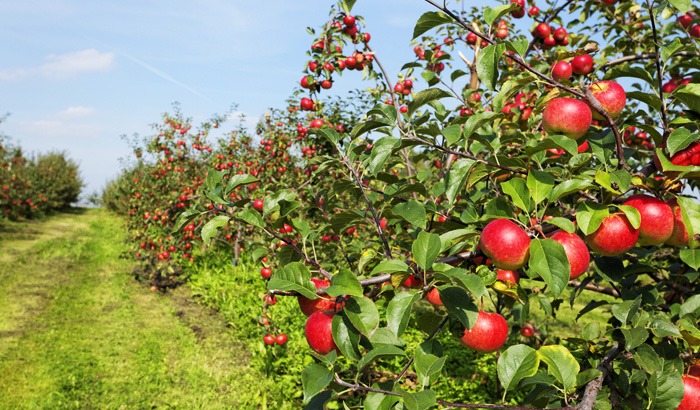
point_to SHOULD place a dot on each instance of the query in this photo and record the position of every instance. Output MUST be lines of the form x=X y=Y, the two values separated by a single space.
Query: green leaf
x=239 y=180
x=344 y=283
x=682 y=5
x=518 y=45
x=426 y=96
x=624 y=311
x=561 y=364
x=602 y=178
x=471 y=282
x=540 y=183
x=651 y=100
x=690 y=306
x=426 y=249
x=665 y=389
x=377 y=352
x=517 y=190
x=554 y=141
x=347 y=5
x=314 y=378
x=662 y=327
x=493 y=14
x=293 y=276
x=679 y=139
x=624 y=70
x=452 y=133
x=428 y=21
x=214 y=179
x=562 y=223
x=691 y=257
x=345 y=336
x=422 y=400
x=548 y=260
x=389 y=266
x=363 y=314
x=487 y=64
x=251 y=217
x=632 y=215
x=457 y=177
x=412 y=211
x=689 y=94
x=589 y=216
x=647 y=359
x=428 y=366
x=398 y=312
x=515 y=364
x=634 y=337
x=210 y=229
x=459 y=304
x=184 y=218
x=478 y=120
x=690 y=211
x=329 y=133
x=381 y=151
x=568 y=187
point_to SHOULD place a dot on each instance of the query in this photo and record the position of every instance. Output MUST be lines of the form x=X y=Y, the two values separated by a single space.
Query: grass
x=76 y=330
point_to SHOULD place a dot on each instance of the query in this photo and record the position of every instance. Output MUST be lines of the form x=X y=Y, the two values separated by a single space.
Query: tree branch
x=593 y=387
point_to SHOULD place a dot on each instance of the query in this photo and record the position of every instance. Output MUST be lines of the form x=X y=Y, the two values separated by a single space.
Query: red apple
x=266 y=273
x=306 y=104
x=542 y=31
x=685 y=20
x=694 y=370
x=611 y=96
x=527 y=330
x=691 y=394
x=534 y=11
x=695 y=31
x=258 y=205
x=505 y=243
x=567 y=116
x=281 y=339
x=679 y=237
x=614 y=236
x=561 y=70
x=510 y=277
x=576 y=252
x=488 y=334
x=412 y=282
x=323 y=303
x=319 y=333
x=582 y=64
x=657 y=219
x=269 y=339
x=434 y=297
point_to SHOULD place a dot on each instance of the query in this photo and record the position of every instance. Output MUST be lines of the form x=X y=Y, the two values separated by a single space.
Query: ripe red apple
x=510 y=277
x=258 y=205
x=534 y=11
x=306 y=104
x=695 y=31
x=471 y=38
x=488 y=334
x=561 y=70
x=266 y=273
x=685 y=20
x=412 y=282
x=269 y=339
x=679 y=237
x=349 y=20
x=560 y=34
x=505 y=243
x=582 y=64
x=614 y=236
x=542 y=31
x=611 y=96
x=434 y=297
x=691 y=393
x=519 y=12
x=323 y=303
x=657 y=219
x=567 y=116
x=319 y=333
x=527 y=330
x=281 y=339
x=576 y=252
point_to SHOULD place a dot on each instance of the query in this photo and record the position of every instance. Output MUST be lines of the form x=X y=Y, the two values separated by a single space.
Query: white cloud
x=63 y=65
x=76 y=112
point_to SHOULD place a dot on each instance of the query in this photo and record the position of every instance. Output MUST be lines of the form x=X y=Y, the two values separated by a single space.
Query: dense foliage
x=516 y=164
x=31 y=187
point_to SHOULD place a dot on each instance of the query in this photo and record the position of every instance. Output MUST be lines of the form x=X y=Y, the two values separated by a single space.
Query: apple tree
x=526 y=157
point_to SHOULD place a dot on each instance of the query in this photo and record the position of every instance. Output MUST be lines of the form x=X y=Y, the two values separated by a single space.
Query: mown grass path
x=76 y=331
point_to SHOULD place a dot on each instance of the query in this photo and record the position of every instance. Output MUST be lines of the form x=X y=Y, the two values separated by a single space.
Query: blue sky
x=76 y=75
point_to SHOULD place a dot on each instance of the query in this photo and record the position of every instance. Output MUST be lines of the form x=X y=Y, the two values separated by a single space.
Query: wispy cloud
x=72 y=122
x=164 y=75
x=76 y=112
x=63 y=65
